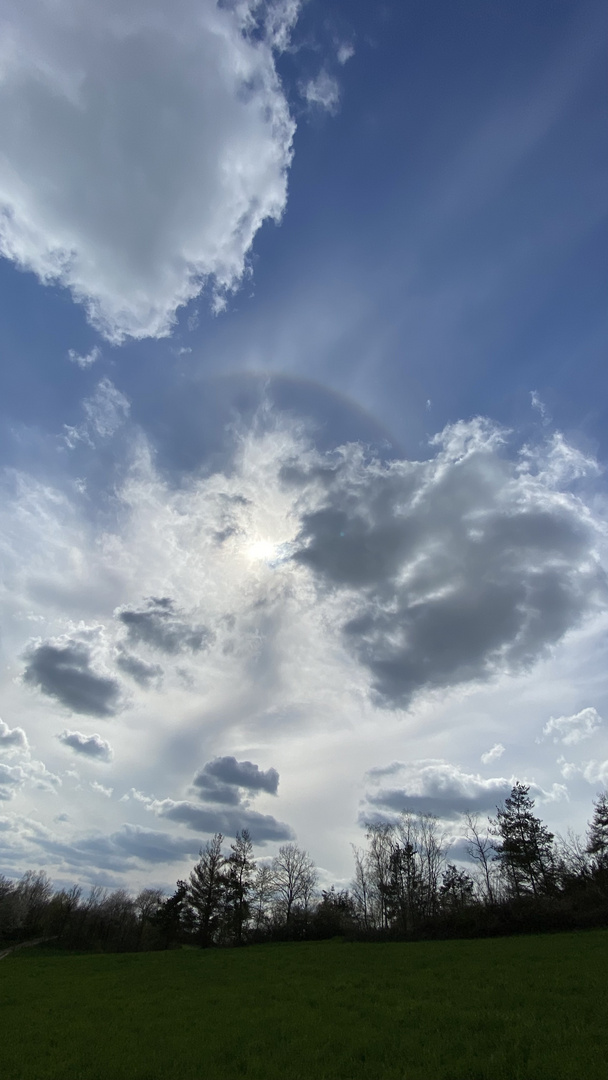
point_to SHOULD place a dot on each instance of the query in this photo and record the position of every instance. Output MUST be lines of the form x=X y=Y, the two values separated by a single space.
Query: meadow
x=521 y=1008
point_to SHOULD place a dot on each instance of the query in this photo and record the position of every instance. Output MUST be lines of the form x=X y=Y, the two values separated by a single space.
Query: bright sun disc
x=264 y=550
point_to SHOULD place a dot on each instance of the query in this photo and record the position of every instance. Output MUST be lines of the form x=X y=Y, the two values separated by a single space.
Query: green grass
x=503 y=1009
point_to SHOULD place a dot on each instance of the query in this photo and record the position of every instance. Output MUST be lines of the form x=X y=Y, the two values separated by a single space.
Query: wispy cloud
x=105 y=412
x=322 y=92
x=570 y=730
x=493 y=754
x=87 y=360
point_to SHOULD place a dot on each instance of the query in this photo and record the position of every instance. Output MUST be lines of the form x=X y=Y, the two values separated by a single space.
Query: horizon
x=304 y=502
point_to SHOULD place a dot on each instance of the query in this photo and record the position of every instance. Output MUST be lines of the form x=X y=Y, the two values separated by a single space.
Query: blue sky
x=303 y=320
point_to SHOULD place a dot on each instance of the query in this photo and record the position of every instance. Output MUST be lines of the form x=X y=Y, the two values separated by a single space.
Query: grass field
x=503 y=1009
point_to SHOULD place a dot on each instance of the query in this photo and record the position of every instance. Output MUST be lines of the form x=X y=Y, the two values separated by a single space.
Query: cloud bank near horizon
x=398 y=583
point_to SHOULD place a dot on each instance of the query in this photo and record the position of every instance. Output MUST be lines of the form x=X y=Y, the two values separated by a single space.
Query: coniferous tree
x=238 y=872
x=206 y=890
x=597 y=843
x=457 y=888
x=524 y=847
x=597 y=837
x=170 y=916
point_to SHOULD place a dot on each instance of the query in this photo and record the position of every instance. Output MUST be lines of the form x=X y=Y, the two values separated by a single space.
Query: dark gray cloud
x=142 y=672
x=220 y=780
x=117 y=851
x=153 y=846
x=440 y=788
x=203 y=819
x=64 y=672
x=91 y=746
x=162 y=625
x=12 y=738
x=454 y=568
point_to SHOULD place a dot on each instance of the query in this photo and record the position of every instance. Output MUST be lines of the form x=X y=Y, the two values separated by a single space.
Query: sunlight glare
x=262 y=550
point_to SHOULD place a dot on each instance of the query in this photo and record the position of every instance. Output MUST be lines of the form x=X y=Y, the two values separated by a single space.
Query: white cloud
x=225 y=603
x=87 y=360
x=345 y=52
x=493 y=754
x=573 y=729
x=91 y=746
x=105 y=413
x=438 y=787
x=568 y=769
x=12 y=740
x=144 y=144
x=444 y=789
x=100 y=789
x=32 y=773
x=454 y=569
x=558 y=462
x=540 y=407
x=596 y=772
x=322 y=92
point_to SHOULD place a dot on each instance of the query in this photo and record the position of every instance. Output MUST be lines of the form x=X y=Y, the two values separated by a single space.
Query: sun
x=262 y=551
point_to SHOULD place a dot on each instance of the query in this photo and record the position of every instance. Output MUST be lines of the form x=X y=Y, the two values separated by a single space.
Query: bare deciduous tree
x=480 y=848
x=294 y=877
x=262 y=893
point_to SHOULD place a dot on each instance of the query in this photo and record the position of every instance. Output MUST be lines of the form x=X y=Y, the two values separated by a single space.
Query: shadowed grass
x=501 y=1009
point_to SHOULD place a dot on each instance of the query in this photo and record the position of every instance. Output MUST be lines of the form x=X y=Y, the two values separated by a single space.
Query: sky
x=304 y=424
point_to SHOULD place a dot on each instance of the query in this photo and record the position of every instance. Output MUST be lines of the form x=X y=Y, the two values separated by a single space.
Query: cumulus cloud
x=11 y=778
x=161 y=625
x=101 y=789
x=322 y=92
x=62 y=669
x=91 y=746
x=573 y=729
x=153 y=846
x=596 y=772
x=454 y=568
x=120 y=851
x=493 y=754
x=175 y=118
x=143 y=673
x=316 y=541
x=14 y=777
x=262 y=827
x=12 y=740
x=220 y=780
x=438 y=787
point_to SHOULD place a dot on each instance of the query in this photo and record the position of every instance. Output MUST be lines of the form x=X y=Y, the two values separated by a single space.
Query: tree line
x=518 y=877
